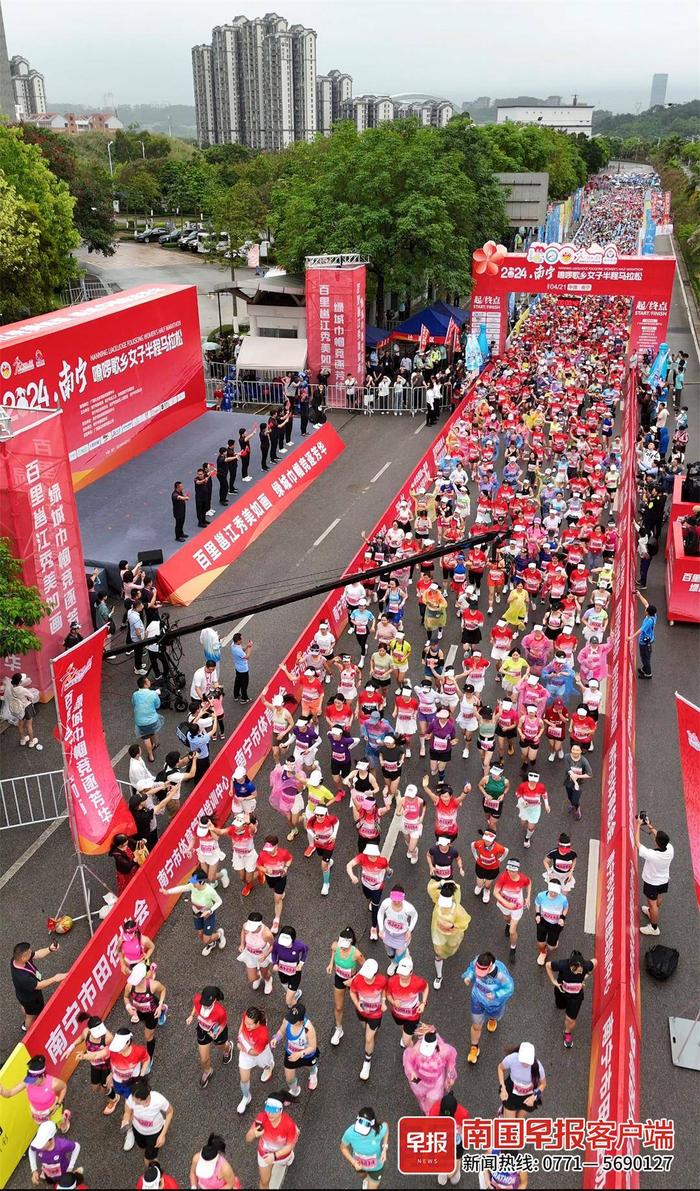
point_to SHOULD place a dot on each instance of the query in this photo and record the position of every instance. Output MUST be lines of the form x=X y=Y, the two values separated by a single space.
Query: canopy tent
x=436 y=318
x=262 y=353
x=375 y=335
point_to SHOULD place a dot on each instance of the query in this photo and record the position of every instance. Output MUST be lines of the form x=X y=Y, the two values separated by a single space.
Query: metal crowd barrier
x=36 y=798
x=363 y=399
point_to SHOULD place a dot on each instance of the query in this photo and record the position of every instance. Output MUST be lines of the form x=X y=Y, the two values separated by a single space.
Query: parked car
x=185 y=241
x=172 y=237
x=223 y=243
x=149 y=235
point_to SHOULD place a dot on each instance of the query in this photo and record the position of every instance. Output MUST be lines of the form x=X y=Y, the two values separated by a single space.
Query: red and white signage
x=615 y=1046
x=97 y=810
x=689 y=741
x=568 y=270
x=39 y=518
x=682 y=579
x=184 y=576
x=335 y=322
x=126 y=371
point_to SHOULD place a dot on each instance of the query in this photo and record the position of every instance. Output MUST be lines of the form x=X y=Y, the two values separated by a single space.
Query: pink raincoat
x=435 y=1073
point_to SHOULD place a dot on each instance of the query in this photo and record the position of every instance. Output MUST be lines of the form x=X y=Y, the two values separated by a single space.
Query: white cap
x=44 y=1134
x=532 y=679
x=444 y=901
x=538 y=628
x=315 y=777
x=371 y=850
x=239 y=773
x=410 y=790
x=239 y=821
x=144 y=783
x=405 y=966
x=137 y=974
x=427 y=1048
x=526 y=1053
x=278 y=700
x=321 y=810
x=369 y=969
x=120 y=1042
x=443 y=840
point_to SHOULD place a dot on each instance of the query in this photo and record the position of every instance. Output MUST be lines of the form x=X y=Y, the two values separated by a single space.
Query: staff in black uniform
x=179 y=498
x=232 y=461
x=201 y=497
x=222 y=475
x=264 y=433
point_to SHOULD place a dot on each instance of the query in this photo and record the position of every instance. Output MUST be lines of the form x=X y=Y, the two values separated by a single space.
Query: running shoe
x=243 y=1104
x=337 y=1035
x=129 y=1140
x=208 y=948
x=225 y=880
x=222 y=940
x=267 y=987
x=228 y=1054
x=246 y=890
x=568 y=1040
x=391 y=969
x=325 y=890
x=366 y=1069
x=492 y=1025
x=473 y=1054
x=373 y=934
x=542 y=958
x=204 y=1079
x=437 y=983
x=310 y=850
x=313 y=1081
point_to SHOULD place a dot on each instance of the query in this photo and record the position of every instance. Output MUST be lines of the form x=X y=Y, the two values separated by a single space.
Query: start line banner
x=186 y=575
x=95 y=980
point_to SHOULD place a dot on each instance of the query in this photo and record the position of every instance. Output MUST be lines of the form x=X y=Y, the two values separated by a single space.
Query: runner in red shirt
x=531 y=794
x=373 y=873
x=556 y=718
x=476 y=565
x=532 y=578
x=322 y=829
x=512 y=895
x=311 y=694
x=212 y=1028
x=152 y=1179
x=407 y=995
x=368 y=994
x=488 y=856
x=276 y=1135
x=274 y=863
x=582 y=729
x=495 y=582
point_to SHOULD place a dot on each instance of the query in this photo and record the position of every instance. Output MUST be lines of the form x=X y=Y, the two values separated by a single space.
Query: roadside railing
x=36 y=798
x=408 y=400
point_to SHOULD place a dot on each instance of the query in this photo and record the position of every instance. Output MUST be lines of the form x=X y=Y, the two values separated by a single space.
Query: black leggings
x=374 y=897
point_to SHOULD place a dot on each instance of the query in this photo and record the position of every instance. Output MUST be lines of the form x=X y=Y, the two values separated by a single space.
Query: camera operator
x=655 y=873
x=175 y=771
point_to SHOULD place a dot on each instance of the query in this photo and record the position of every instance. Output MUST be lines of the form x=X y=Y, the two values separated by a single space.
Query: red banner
x=335 y=322
x=185 y=576
x=126 y=371
x=39 y=518
x=96 y=808
x=574 y=271
x=682 y=578
x=423 y=338
x=614 y=1065
x=689 y=741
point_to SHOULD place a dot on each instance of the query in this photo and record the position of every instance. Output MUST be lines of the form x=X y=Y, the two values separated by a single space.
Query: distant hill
x=673 y=119
x=177 y=118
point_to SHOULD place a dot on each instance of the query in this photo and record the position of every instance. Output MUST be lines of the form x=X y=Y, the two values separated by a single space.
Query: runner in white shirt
x=147 y=1116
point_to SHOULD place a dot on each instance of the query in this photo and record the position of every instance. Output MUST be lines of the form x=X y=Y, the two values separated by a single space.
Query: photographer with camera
x=655 y=873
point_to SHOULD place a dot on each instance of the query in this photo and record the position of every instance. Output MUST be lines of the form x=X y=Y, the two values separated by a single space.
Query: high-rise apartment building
x=7 y=95
x=257 y=85
x=368 y=111
x=29 y=88
x=324 y=103
x=204 y=105
x=342 y=91
x=659 y=83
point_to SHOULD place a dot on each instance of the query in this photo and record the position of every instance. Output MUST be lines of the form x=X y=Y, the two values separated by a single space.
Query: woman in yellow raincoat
x=518 y=604
x=448 y=923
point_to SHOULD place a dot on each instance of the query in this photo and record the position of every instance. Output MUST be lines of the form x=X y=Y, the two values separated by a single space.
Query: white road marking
x=592 y=887
x=685 y=302
x=326 y=532
x=380 y=472
x=31 y=851
x=418 y=430
x=118 y=756
x=451 y=655
x=391 y=836
x=237 y=628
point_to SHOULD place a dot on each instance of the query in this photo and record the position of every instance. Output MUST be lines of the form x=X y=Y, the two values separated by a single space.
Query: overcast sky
x=605 y=50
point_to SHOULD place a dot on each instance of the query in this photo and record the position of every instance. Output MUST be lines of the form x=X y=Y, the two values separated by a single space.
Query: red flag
x=96 y=807
x=452 y=335
x=689 y=740
x=424 y=338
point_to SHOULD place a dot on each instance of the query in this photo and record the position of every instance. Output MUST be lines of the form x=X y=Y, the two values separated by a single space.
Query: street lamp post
x=109 y=154
x=143 y=150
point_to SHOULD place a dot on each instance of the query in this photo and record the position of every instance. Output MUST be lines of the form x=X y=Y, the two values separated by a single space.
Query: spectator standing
x=137 y=632
x=145 y=703
x=28 y=981
x=240 y=654
x=19 y=697
x=655 y=872
x=210 y=642
x=646 y=633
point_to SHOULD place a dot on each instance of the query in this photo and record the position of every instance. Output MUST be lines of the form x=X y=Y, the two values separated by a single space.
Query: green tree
x=41 y=202
x=396 y=194
x=186 y=185
x=21 y=285
x=138 y=186
x=17 y=602
x=237 y=211
x=134 y=145
x=89 y=184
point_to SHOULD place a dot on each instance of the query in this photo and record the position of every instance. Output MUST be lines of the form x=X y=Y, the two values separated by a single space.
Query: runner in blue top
x=364 y=1144
x=362 y=619
x=551 y=908
x=492 y=987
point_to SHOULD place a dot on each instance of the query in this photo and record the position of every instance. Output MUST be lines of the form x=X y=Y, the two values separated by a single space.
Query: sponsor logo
x=74 y=675
x=571 y=254
x=6 y=370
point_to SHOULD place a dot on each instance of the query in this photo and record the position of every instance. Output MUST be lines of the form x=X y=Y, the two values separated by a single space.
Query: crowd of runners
x=463 y=704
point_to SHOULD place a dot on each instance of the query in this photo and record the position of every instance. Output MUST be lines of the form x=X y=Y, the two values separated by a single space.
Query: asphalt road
x=146 y=264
